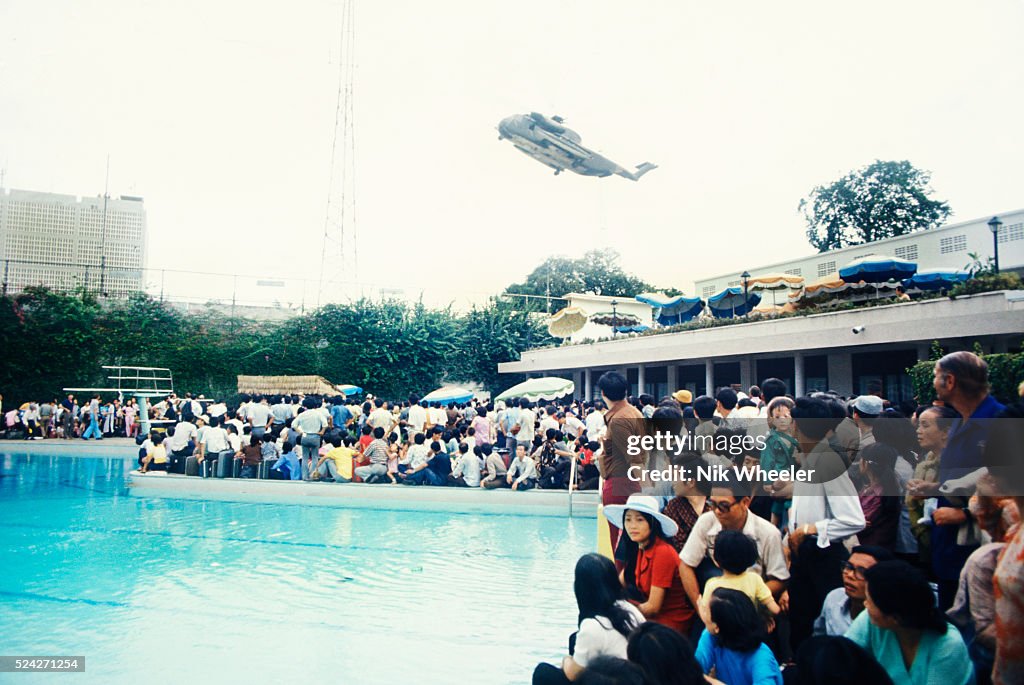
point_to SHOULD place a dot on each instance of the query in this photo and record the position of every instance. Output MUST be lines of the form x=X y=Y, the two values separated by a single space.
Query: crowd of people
x=898 y=556
x=898 y=559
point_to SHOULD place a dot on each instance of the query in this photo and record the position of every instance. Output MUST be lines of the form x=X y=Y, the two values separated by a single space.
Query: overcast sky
x=221 y=115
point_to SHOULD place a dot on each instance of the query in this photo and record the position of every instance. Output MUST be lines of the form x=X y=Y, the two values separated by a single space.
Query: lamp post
x=994 y=225
x=746 y=296
x=615 y=318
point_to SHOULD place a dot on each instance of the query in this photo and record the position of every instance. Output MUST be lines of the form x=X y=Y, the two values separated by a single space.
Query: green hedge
x=1005 y=372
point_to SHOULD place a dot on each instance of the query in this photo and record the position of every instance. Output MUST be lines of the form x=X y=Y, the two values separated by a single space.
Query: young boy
x=156 y=458
x=735 y=553
x=419 y=472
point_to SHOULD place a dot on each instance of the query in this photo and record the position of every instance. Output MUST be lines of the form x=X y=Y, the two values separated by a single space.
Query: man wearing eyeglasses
x=845 y=603
x=730 y=504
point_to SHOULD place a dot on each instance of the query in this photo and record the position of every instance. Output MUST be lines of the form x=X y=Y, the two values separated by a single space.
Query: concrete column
x=588 y=384
x=673 y=378
x=641 y=380
x=840 y=372
x=746 y=375
x=709 y=377
x=577 y=380
x=798 y=374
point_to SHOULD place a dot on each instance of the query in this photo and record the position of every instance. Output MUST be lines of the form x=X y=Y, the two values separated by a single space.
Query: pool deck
x=352 y=495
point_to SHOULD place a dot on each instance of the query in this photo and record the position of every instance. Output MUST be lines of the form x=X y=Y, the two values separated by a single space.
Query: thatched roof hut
x=287 y=385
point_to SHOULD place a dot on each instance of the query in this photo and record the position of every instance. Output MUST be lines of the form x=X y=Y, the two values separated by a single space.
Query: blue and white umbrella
x=732 y=302
x=349 y=390
x=449 y=394
x=669 y=311
x=936 y=279
x=640 y=328
x=877 y=269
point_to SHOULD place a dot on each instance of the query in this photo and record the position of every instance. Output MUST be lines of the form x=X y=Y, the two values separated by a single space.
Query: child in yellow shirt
x=735 y=553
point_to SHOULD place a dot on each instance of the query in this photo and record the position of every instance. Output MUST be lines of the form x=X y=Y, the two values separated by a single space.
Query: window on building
x=795 y=272
x=906 y=252
x=1011 y=232
x=733 y=284
x=953 y=243
x=825 y=268
x=707 y=292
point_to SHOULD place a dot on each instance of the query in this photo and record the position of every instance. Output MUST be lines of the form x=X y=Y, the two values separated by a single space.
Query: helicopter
x=551 y=143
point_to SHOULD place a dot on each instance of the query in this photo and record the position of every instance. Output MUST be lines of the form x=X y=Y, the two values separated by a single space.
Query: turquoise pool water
x=162 y=590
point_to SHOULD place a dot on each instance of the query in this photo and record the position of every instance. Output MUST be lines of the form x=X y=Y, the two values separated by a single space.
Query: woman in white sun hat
x=651 y=575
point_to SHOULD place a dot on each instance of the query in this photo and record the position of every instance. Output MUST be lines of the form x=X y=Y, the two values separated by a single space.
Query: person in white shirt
x=522 y=472
x=572 y=427
x=466 y=472
x=549 y=420
x=260 y=417
x=605 y=619
x=527 y=421
x=381 y=417
x=417 y=415
x=595 y=422
x=825 y=512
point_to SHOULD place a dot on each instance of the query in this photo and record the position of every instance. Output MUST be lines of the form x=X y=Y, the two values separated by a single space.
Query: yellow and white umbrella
x=567 y=321
x=775 y=282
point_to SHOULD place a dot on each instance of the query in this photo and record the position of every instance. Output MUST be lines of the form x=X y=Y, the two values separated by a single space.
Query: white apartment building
x=943 y=247
x=64 y=242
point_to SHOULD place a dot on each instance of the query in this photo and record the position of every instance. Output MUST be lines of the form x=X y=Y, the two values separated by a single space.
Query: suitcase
x=225 y=465
x=191 y=466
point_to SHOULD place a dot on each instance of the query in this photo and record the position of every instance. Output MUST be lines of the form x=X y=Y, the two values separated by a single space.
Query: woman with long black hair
x=651 y=573
x=605 y=620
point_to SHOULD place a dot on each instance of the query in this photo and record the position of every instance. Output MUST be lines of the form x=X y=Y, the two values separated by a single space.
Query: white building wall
x=944 y=247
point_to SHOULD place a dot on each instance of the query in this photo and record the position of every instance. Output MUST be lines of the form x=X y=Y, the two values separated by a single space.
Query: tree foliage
x=882 y=200
x=53 y=340
x=597 y=271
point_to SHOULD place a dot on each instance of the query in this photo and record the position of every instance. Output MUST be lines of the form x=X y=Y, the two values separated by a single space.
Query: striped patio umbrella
x=669 y=311
x=877 y=269
x=732 y=302
x=775 y=282
x=936 y=279
x=566 y=321
x=349 y=390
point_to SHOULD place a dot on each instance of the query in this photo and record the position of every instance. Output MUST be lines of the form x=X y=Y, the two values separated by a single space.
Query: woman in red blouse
x=651 y=575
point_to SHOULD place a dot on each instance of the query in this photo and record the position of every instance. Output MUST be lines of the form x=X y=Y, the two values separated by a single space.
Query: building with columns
x=843 y=351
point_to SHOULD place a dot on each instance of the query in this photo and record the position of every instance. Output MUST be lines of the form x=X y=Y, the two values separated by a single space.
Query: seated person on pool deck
x=651 y=573
x=146 y=446
x=419 y=472
x=418 y=450
x=467 y=467
x=735 y=553
x=289 y=465
x=375 y=455
x=338 y=460
x=496 y=469
x=156 y=458
x=522 y=472
x=269 y=451
x=251 y=456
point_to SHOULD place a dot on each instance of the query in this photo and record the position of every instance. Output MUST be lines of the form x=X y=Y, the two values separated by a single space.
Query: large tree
x=882 y=200
x=597 y=272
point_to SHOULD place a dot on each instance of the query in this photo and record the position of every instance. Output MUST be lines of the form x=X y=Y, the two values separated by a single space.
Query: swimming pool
x=166 y=590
